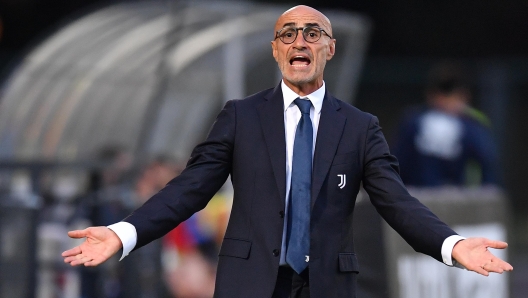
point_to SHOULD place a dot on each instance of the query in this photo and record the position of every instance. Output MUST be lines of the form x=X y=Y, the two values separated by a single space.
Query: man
x=268 y=251
x=446 y=142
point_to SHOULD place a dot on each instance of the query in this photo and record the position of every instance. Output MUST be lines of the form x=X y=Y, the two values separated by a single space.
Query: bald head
x=302 y=58
x=304 y=12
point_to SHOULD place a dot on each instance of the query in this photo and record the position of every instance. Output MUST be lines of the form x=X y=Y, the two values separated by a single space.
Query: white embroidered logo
x=342 y=183
x=307 y=259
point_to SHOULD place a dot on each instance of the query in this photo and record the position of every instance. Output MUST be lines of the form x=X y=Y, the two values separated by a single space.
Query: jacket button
x=281 y=213
x=276 y=252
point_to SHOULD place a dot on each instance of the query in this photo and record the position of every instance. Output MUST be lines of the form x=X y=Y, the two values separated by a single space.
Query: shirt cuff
x=447 y=250
x=127 y=234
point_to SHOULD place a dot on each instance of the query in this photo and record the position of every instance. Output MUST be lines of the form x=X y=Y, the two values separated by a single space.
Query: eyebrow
x=292 y=24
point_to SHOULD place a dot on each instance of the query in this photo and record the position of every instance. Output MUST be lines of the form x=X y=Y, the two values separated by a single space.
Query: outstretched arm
x=101 y=243
x=473 y=254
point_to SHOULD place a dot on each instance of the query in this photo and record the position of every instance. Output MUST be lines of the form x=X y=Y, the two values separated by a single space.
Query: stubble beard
x=299 y=78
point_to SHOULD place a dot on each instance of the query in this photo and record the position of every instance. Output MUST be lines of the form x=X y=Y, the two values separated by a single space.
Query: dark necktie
x=298 y=247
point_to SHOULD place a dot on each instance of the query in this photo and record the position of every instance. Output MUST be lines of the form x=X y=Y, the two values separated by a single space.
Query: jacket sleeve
x=206 y=171
x=404 y=213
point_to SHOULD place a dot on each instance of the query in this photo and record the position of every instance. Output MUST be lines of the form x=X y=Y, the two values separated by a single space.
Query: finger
x=505 y=266
x=480 y=270
x=76 y=263
x=77 y=234
x=497 y=265
x=80 y=260
x=70 y=259
x=491 y=267
x=92 y=263
x=508 y=267
x=72 y=252
x=73 y=259
x=496 y=244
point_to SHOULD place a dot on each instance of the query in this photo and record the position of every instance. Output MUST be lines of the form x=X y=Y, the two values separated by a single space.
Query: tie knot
x=304 y=105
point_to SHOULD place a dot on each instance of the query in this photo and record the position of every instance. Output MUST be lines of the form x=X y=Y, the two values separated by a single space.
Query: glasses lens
x=288 y=34
x=311 y=34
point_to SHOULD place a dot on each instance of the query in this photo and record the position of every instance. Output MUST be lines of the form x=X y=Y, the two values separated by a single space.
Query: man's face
x=302 y=63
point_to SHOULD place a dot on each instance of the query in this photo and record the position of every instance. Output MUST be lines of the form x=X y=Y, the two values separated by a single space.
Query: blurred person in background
x=111 y=187
x=110 y=196
x=446 y=141
x=190 y=253
x=141 y=275
x=269 y=249
x=114 y=192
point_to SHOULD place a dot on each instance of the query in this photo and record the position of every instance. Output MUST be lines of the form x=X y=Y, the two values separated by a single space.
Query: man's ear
x=274 y=49
x=331 y=50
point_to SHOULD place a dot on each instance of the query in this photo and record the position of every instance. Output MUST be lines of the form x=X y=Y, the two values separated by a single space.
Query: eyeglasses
x=310 y=33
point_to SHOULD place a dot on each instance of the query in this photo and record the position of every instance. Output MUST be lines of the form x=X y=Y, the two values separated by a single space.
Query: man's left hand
x=473 y=254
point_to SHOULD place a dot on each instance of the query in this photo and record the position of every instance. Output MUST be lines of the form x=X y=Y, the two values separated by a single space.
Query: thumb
x=77 y=234
x=496 y=244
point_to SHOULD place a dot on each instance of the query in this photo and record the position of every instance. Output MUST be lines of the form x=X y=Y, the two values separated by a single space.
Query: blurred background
x=101 y=103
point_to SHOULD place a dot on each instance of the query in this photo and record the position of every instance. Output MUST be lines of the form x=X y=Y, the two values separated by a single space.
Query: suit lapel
x=329 y=134
x=271 y=113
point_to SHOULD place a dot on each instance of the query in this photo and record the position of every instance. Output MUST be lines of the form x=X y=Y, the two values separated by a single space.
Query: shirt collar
x=315 y=97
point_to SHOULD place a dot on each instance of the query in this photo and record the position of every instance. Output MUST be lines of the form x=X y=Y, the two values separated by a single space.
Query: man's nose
x=299 y=40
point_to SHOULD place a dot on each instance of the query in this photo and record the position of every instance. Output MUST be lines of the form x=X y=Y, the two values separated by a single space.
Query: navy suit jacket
x=247 y=141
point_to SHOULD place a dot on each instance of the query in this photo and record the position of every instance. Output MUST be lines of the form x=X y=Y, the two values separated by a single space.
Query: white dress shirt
x=127 y=232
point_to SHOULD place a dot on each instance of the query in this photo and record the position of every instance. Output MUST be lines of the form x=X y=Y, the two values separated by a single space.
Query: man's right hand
x=101 y=243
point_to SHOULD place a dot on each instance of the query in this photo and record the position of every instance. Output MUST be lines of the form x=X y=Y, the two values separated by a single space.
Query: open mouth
x=299 y=61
